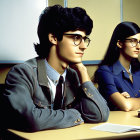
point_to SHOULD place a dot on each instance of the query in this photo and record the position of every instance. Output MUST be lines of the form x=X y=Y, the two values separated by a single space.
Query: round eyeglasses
x=134 y=42
x=77 y=38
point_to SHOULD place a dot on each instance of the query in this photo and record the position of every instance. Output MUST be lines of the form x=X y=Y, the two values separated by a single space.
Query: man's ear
x=52 y=38
x=119 y=44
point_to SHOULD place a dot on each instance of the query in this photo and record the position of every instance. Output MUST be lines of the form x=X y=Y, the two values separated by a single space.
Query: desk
x=84 y=132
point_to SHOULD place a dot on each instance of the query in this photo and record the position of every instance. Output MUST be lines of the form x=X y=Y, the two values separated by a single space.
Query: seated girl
x=118 y=75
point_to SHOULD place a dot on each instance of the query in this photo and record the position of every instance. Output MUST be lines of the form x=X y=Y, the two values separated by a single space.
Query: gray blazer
x=28 y=100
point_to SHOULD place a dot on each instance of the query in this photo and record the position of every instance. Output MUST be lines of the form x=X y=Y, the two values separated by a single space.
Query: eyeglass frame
x=131 y=41
x=84 y=38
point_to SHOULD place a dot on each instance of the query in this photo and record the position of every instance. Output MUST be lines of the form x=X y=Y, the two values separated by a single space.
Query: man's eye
x=77 y=37
x=133 y=40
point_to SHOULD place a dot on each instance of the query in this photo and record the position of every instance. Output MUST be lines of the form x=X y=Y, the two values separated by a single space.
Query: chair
x=2 y=86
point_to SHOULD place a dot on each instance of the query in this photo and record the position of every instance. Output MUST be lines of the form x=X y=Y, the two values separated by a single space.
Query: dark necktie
x=58 y=95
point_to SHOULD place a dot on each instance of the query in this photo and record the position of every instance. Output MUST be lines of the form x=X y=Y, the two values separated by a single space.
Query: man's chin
x=75 y=62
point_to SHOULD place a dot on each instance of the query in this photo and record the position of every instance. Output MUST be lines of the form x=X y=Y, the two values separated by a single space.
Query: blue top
x=114 y=78
x=52 y=74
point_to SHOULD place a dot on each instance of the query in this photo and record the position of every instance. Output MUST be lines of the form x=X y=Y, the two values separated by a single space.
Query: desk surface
x=84 y=132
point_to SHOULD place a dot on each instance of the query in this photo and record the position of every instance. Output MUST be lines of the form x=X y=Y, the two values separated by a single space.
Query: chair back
x=2 y=86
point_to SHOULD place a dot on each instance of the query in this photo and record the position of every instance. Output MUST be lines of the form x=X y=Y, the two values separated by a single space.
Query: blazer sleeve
x=92 y=106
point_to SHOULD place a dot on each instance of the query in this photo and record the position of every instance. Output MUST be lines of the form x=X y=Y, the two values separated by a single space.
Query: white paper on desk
x=116 y=128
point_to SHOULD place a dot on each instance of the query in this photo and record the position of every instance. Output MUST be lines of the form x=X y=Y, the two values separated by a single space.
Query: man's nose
x=138 y=45
x=83 y=45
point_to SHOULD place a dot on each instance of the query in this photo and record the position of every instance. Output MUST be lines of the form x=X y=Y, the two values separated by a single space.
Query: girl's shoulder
x=105 y=68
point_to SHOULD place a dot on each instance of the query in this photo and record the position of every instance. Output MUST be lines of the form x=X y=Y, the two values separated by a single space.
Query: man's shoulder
x=29 y=64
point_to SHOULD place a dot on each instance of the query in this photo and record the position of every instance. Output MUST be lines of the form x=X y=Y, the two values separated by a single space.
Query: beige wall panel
x=53 y=2
x=4 y=69
x=131 y=11
x=105 y=15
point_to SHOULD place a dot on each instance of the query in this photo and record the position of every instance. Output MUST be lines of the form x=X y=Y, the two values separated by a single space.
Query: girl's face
x=130 y=47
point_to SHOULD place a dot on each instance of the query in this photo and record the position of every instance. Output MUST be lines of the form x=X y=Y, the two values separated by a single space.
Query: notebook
x=116 y=128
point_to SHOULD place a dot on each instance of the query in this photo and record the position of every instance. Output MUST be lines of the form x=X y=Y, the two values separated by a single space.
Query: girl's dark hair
x=121 y=32
x=57 y=20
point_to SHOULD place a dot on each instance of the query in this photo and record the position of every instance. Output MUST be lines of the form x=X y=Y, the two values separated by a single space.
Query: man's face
x=72 y=47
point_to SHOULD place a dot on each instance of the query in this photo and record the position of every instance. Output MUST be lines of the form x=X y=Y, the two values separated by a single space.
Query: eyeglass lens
x=78 y=39
x=134 y=42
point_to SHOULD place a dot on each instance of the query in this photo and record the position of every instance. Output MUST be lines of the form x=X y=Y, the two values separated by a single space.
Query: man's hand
x=82 y=72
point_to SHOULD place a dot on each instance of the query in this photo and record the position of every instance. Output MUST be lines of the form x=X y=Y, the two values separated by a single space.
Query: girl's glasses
x=134 y=42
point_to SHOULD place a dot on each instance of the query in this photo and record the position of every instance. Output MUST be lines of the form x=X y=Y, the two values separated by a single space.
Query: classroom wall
x=131 y=11
x=52 y=2
x=18 y=29
x=106 y=14
x=4 y=69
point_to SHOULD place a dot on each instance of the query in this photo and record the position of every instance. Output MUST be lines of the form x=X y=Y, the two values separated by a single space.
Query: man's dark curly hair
x=57 y=20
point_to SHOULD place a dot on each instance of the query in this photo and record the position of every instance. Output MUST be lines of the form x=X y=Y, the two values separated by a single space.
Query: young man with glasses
x=32 y=93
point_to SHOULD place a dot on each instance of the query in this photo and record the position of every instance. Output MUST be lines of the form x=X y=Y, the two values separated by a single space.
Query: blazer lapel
x=42 y=75
x=70 y=88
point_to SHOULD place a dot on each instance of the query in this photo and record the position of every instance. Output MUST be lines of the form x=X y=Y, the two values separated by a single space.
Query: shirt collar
x=53 y=74
x=117 y=68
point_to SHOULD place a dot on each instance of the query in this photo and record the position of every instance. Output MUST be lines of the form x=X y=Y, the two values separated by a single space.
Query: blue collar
x=53 y=74
x=117 y=68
